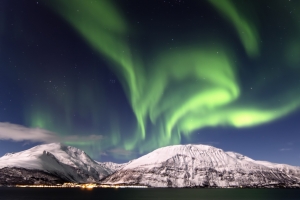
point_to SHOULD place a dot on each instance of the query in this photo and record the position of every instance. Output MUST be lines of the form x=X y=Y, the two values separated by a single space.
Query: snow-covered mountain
x=172 y=166
x=203 y=166
x=112 y=167
x=56 y=160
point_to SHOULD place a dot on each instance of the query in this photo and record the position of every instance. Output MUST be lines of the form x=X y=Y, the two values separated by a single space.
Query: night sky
x=120 y=78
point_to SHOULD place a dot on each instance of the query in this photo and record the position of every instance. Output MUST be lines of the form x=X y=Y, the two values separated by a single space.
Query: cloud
x=121 y=152
x=290 y=143
x=86 y=138
x=103 y=154
x=285 y=149
x=212 y=143
x=19 y=133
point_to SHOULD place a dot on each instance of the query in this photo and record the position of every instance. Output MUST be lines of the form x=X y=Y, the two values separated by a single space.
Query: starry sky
x=120 y=78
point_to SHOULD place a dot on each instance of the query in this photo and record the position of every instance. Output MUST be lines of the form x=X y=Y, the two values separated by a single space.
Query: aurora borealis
x=121 y=78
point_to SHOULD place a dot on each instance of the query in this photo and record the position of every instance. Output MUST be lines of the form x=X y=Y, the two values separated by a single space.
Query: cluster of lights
x=83 y=186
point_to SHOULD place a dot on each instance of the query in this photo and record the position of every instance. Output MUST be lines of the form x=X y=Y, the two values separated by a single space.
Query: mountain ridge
x=68 y=162
x=171 y=166
x=202 y=166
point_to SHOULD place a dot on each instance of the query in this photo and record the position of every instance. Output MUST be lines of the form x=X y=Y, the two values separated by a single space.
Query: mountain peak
x=190 y=165
x=193 y=151
x=201 y=166
x=70 y=162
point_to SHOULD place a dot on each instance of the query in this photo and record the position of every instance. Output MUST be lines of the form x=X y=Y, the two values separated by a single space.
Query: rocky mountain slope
x=55 y=161
x=172 y=166
x=112 y=167
x=21 y=176
x=203 y=166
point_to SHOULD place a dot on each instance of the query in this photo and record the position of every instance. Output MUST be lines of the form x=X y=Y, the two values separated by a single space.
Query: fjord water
x=148 y=194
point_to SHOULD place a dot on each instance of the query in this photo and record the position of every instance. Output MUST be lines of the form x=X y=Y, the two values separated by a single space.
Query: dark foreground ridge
x=21 y=176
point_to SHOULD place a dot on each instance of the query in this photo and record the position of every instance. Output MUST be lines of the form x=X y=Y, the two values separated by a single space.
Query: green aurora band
x=245 y=29
x=183 y=90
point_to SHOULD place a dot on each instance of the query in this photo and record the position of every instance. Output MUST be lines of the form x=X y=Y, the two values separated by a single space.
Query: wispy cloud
x=121 y=152
x=285 y=149
x=19 y=133
x=290 y=143
x=211 y=143
x=103 y=154
x=85 y=138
